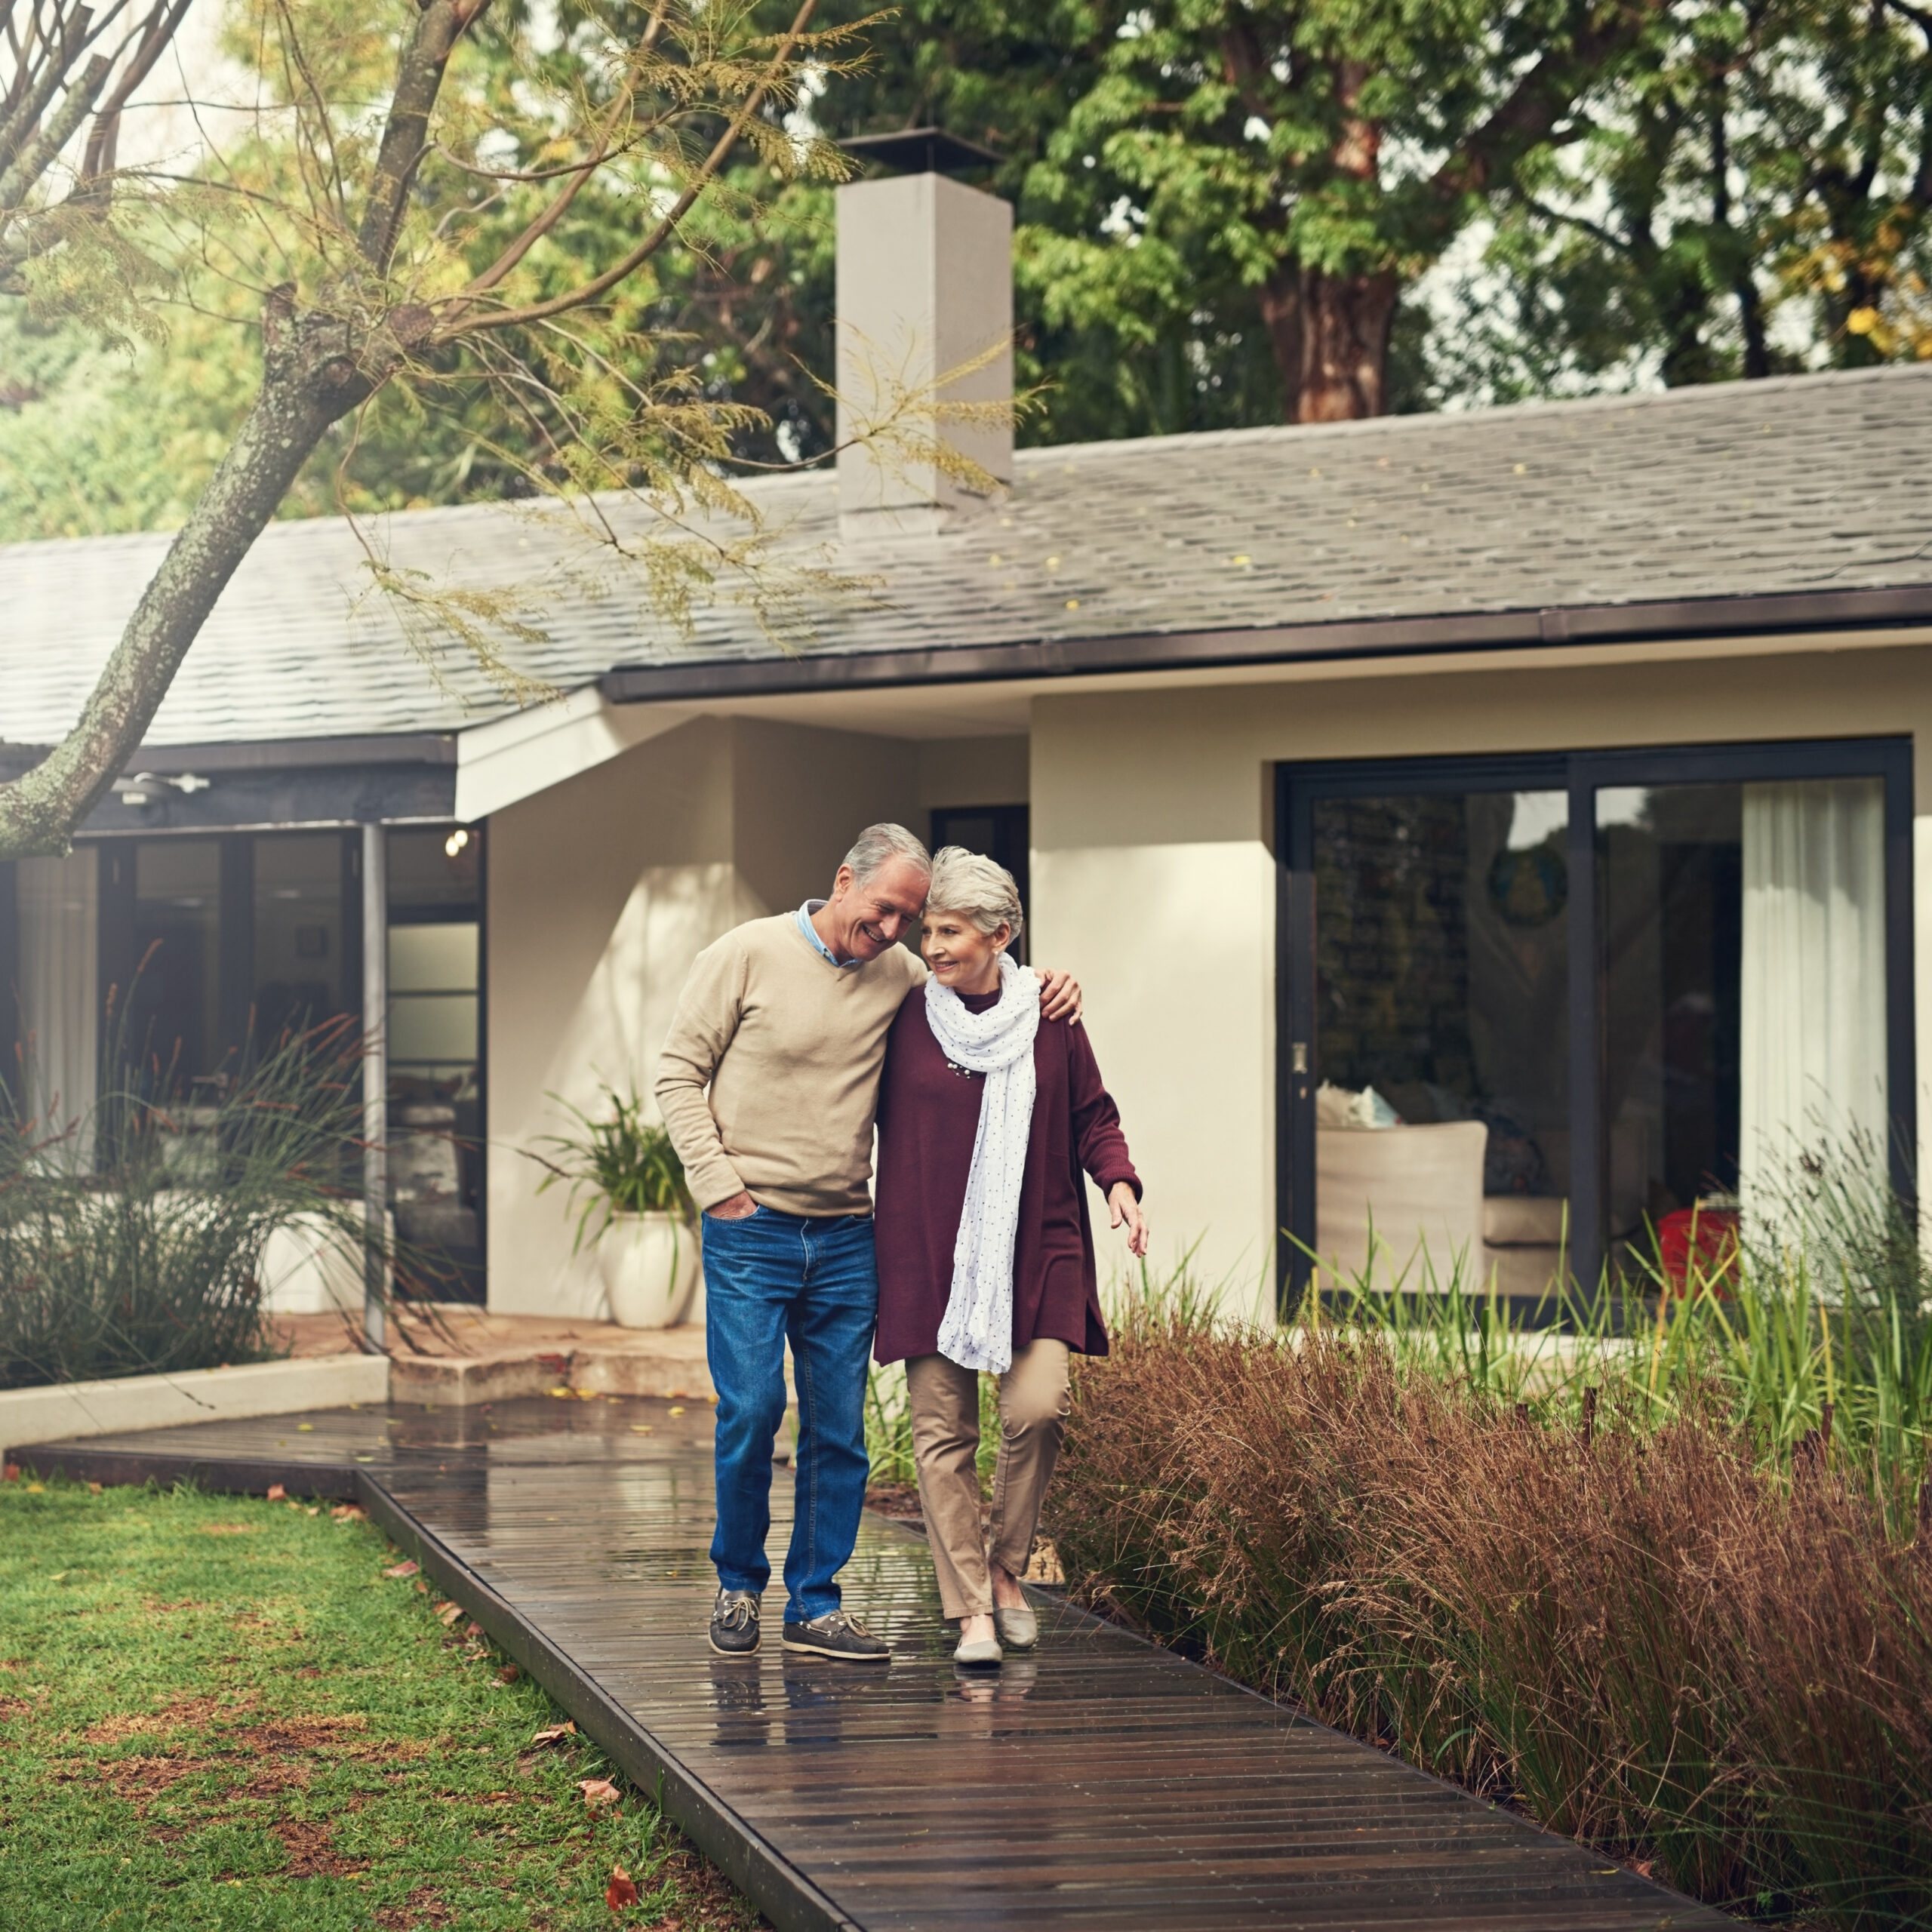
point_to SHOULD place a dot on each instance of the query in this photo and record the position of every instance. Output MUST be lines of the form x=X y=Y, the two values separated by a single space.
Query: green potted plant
x=626 y=1189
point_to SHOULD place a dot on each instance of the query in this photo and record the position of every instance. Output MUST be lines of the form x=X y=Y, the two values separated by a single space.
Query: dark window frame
x=1581 y=774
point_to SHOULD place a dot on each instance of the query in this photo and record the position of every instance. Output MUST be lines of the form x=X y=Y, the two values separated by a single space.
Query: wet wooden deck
x=1099 y=1782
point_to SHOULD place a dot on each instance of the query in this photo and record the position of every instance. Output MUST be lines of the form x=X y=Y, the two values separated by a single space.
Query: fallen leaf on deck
x=304 y=1427
x=622 y=1890
x=404 y=1569
x=551 y=1733
x=677 y=1411
x=277 y=1494
x=598 y=1792
x=563 y=1392
x=640 y=1429
x=447 y=1614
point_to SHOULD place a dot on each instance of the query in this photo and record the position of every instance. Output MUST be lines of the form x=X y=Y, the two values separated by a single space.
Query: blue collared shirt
x=810 y=931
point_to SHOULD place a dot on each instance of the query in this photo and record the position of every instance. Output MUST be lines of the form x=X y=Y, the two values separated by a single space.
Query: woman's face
x=959 y=955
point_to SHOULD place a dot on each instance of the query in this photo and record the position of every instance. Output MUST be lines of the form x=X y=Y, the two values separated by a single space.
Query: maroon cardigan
x=928 y=1118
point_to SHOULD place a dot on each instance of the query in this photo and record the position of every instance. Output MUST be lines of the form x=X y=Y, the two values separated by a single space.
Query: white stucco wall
x=1153 y=878
x=601 y=892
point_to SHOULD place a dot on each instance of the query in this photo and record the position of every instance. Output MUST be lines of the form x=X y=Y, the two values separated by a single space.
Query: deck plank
x=1099 y=1781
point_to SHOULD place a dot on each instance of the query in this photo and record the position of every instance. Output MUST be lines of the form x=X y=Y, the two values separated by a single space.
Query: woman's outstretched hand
x=1124 y=1206
x=1060 y=998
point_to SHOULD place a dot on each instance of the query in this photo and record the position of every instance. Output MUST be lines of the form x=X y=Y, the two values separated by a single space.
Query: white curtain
x=1814 y=993
x=59 y=984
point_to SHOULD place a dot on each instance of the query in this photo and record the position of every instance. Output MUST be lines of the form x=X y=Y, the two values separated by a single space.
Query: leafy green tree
x=1226 y=214
x=1753 y=202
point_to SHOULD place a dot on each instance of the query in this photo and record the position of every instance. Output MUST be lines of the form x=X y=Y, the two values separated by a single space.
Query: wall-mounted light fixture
x=456 y=841
x=144 y=788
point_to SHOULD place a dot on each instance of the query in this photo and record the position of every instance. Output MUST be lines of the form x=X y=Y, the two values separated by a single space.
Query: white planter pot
x=650 y=1267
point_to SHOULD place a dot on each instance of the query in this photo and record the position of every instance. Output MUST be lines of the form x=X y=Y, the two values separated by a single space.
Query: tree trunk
x=1280 y=312
x=311 y=376
x=1345 y=321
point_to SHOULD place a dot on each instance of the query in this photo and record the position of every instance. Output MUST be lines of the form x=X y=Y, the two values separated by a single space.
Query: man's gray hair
x=977 y=888
x=878 y=845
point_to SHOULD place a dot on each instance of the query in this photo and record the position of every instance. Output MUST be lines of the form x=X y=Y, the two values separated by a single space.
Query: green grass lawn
x=218 y=1713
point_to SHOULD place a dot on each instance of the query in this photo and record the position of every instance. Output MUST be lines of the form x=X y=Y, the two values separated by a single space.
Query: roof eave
x=1689 y=618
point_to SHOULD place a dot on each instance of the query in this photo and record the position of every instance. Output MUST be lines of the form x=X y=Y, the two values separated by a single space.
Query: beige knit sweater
x=791 y=1047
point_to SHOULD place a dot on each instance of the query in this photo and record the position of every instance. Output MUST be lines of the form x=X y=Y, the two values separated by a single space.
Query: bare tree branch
x=163 y=23
x=38 y=810
x=355 y=312
x=426 y=55
x=622 y=269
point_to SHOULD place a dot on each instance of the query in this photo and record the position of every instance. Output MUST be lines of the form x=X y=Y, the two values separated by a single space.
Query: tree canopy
x=1227 y=213
x=587 y=244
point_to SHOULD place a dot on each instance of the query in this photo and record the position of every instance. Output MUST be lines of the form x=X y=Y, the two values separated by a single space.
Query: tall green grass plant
x=1816 y=1339
x=132 y=1233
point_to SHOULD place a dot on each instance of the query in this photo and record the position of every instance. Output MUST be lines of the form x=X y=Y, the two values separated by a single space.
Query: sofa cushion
x=1522 y=1220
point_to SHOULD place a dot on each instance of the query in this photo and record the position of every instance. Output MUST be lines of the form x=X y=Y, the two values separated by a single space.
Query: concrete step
x=484 y=1366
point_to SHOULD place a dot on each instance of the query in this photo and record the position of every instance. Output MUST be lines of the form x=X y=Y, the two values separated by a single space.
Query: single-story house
x=1511 y=826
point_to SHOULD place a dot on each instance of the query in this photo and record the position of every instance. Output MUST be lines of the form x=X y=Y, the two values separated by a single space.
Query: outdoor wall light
x=455 y=842
x=143 y=789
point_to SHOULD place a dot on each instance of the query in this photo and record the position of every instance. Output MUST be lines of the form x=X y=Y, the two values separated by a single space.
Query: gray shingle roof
x=1805 y=483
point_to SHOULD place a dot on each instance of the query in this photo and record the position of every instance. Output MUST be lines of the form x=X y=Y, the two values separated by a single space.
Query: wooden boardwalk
x=1098 y=1783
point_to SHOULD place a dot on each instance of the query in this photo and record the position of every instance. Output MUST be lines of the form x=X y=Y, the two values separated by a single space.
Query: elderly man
x=784 y=1020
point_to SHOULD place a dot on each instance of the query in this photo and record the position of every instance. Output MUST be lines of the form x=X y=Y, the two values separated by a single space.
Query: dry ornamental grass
x=1643 y=1634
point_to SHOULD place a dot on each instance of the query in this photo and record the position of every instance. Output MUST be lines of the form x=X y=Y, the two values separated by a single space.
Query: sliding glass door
x=1532 y=1007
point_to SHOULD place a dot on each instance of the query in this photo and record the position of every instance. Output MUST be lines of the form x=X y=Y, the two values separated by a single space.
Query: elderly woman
x=987 y=1119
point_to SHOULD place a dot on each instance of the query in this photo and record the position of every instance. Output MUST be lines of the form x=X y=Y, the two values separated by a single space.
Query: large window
x=1533 y=1007
x=207 y=947
x=172 y=1012
x=298 y=969
x=211 y=946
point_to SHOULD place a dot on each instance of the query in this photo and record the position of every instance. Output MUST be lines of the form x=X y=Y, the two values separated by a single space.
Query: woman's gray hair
x=975 y=888
x=878 y=845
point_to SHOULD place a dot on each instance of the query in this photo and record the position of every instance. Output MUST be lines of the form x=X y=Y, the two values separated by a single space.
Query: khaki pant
x=945 y=1442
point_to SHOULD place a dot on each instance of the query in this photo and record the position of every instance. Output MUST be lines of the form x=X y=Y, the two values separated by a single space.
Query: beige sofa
x=1420 y=1188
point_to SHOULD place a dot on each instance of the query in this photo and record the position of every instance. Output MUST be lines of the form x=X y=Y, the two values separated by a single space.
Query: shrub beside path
x=1718 y=1669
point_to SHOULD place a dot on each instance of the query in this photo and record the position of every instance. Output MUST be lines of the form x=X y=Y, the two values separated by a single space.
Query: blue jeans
x=769 y=1278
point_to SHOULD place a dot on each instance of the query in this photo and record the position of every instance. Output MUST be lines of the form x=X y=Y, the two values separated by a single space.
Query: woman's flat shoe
x=1019 y=1629
x=981 y=1650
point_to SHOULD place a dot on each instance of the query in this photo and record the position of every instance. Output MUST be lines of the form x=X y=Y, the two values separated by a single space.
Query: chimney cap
x=920 y=151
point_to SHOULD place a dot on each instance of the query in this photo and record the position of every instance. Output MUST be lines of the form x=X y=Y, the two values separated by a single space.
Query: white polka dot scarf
x=978 y=1332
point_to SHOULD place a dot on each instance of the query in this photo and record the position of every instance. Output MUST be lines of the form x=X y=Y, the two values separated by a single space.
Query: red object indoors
x=1714 y=1231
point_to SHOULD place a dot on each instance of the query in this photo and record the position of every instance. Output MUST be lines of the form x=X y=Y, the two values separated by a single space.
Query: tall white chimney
x=925 y=285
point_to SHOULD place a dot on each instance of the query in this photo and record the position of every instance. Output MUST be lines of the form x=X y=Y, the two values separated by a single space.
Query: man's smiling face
x=860 y=921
